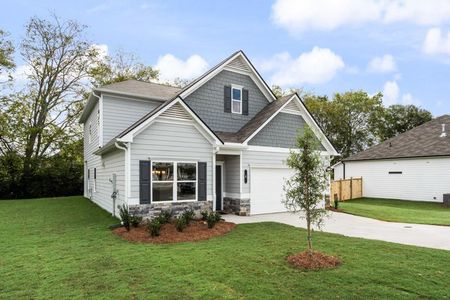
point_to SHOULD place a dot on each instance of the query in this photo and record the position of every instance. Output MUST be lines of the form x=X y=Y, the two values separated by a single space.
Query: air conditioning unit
x=446 y=200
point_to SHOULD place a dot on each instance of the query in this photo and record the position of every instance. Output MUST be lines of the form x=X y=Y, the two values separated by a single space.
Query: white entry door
x=266 y=186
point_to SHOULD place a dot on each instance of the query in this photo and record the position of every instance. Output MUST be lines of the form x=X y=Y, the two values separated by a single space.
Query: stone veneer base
x=237 y=206
x=150 y=211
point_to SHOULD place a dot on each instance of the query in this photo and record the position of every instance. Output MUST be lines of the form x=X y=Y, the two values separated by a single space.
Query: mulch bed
x=315 y=261
x=334 y=209
x=196 y=231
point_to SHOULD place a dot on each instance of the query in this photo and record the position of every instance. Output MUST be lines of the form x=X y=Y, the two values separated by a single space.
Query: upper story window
x=236 y=100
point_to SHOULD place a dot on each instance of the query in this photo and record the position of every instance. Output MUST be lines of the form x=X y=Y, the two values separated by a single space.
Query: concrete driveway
x=430 y=236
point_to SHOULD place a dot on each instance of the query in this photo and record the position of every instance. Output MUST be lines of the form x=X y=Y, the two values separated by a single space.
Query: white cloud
x=297 y=16
x=436 y=43
x=384 y=64
x=171 y=67
x=317 y=66
x=19 y=74
x=391 y=95
x=391 y=92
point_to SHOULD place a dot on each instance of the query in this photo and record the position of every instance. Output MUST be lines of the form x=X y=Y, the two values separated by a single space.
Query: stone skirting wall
x=149 y=211
x=238 y=206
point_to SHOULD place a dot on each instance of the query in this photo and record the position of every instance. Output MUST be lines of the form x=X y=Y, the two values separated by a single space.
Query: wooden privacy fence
x=346 y=189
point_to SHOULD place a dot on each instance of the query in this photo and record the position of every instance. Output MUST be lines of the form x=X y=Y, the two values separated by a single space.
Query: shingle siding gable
x=280 y=132
x=208 y=101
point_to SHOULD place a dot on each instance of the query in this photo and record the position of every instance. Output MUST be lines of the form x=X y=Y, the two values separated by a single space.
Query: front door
x=218 y=187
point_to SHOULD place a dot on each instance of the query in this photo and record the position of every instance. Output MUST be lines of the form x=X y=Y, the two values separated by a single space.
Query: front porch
x=230 y=176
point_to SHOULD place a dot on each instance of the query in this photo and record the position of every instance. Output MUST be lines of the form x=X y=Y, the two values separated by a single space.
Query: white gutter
x=127 y=169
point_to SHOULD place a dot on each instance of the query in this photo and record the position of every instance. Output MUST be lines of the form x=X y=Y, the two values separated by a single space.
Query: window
x=167 y=186
x=95 y=179
x=186 y=181
x=236 y=100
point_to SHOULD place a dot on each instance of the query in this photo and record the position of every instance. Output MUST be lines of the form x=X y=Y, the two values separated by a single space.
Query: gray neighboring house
x=219 y=143
x=414 y=165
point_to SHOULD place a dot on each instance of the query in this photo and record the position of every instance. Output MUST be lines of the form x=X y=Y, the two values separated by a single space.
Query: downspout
x=343 y=169
x=215 y=150
x=124 y=148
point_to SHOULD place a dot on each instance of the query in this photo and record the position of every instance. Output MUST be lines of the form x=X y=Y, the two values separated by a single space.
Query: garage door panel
x=267 y=189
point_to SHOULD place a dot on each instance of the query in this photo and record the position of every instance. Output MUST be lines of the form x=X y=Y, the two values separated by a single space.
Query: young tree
x=304 y=190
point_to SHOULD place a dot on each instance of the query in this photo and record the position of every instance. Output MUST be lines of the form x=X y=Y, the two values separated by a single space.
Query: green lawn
x=398 y=210
x=61 y=248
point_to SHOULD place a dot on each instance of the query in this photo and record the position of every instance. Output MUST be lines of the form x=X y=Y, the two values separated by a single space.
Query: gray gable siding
x=280 y=132
x=120 y=113
x=207 y=101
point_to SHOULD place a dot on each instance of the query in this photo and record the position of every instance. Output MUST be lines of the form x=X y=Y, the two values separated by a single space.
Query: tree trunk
x=308 y=229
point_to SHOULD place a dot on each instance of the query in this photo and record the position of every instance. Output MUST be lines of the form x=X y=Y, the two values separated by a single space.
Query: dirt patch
x=196 y=231
x=314 y=261
x=331 y=208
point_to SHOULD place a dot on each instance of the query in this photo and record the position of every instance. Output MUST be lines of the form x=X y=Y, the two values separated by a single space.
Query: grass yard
x=61 y=248
x=398 y=210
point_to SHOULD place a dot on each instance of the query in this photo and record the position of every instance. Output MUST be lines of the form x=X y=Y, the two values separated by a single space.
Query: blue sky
x=399 y=47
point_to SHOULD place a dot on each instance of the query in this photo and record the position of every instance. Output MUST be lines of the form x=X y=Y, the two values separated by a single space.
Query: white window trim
x=236 y=87
x=174 y=181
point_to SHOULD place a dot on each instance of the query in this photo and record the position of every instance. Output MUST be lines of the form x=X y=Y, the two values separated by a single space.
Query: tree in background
x=348 y=119
x=40 y=139
x=304 y=190
x=120 y=67
x=6 y=59
x=279 y=92
x=397 y=119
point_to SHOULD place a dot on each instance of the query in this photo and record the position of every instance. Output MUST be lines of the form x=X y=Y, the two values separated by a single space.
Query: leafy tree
x=304 y=189
x=397 y=119
x=37 y=122
x=348 y=120
x=120 y=67
x=6 y=52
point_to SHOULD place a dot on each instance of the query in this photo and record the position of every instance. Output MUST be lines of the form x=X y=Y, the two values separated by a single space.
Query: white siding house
x=414 y=165
x=220 y=143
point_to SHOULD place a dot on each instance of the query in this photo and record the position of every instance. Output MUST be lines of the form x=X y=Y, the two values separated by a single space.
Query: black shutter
x=89 y=173
x=245 y=102
x=144 y=182
x=201 y=181
x=95 y=173
x=227 y=99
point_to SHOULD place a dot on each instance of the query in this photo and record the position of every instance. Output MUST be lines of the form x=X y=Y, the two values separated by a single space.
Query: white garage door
x=266 y=186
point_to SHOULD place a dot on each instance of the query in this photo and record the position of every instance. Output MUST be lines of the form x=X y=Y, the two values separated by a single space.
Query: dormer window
x=236 y=99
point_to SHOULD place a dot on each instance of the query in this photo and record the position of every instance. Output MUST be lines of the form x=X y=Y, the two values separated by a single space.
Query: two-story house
x=219 y=143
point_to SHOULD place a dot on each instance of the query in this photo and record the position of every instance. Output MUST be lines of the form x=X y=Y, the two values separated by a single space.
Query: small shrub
x=124 y=216
x=165 y=216
x=154 y=226
x=181 y=223
x=135 y=220
x=204 y=215
x=188 y=215
x=213 y=218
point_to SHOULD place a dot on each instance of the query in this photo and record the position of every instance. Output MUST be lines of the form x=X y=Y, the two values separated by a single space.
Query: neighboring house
x=414 y=165
x=219 y=143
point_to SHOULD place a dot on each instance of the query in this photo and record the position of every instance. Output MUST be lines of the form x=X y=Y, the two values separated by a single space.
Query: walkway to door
x=430 y=236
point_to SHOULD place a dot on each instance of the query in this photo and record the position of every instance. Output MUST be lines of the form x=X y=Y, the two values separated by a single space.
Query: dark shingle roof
x=143 y=89
x=421 y=141
x=256 y=122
